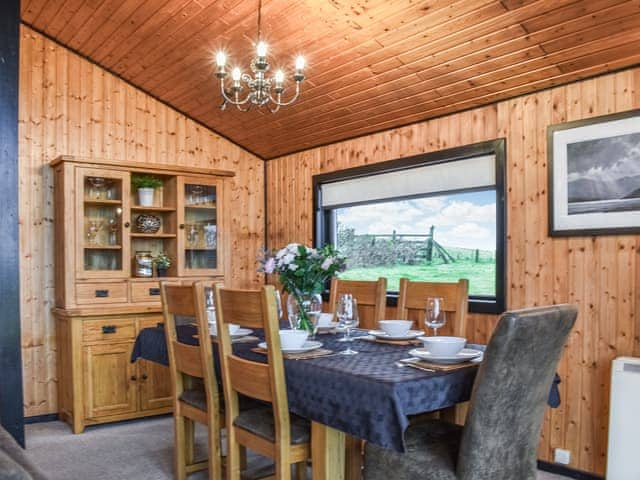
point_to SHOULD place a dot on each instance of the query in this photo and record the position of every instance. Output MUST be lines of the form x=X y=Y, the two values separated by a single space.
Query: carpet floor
x=135 y=450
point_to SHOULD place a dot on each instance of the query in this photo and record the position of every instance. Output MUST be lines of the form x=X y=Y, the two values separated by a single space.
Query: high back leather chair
x=499 y=440
x=271 y=431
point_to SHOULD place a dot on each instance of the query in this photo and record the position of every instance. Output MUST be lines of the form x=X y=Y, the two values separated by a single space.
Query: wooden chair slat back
x=243 y=307
x=370 y=294
x=255 y=309
x=179 y=300
x=412 y=301
x=250 y=378
x=189 y=360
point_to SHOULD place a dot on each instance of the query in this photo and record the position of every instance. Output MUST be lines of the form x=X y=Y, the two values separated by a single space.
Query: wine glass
x=278 y=305
x=348 y=317
x=435 y=314
x=98 y=183
x=196 y=194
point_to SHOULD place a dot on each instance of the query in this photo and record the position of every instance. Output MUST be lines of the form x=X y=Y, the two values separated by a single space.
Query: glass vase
x=303 y=310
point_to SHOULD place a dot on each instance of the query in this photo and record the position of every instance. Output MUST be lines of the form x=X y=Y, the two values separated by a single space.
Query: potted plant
x=163 y=262
x=303 y=272
x=145 y=185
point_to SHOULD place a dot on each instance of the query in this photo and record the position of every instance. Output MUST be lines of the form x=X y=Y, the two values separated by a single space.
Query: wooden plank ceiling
x=372 y=64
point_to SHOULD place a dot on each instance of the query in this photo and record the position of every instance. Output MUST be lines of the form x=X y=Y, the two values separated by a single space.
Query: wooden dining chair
x=271 y=430
x=412 y=301
x=371 y=297
x=195 y=389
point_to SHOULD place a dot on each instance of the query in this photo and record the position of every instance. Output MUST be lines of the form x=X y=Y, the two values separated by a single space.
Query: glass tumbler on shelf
x=93 y=229
x=435 y=315
x=193 y=236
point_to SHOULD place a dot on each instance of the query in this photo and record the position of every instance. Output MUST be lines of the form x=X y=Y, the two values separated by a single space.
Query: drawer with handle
x=96 y=293
x=145 y=292
x=108 y=329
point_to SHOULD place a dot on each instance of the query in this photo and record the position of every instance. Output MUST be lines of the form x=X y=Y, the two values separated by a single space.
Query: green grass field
x=481 y=276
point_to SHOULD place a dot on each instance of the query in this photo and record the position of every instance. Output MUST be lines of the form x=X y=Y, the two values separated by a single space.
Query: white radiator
x=623 y=460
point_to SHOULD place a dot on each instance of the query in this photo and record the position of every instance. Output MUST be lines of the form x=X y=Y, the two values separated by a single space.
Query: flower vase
x=302 y=308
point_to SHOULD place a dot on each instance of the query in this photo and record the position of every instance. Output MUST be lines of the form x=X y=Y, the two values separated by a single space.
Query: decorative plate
x=146 y=223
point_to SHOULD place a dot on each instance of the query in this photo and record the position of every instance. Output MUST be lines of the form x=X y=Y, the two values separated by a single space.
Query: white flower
x=292 y=247
x=327 y=263
x=281 y=253
x=293 y=267
x=288 y=258
x=270 y=265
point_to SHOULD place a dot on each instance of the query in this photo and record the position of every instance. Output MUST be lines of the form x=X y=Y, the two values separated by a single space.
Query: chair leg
x=179 y=454
x=353 y=458
x=234 y=456
x=190 y=437
x=215 y=454
x=301 y=471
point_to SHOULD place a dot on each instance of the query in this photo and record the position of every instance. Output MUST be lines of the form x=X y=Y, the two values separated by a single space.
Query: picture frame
x=594 y=176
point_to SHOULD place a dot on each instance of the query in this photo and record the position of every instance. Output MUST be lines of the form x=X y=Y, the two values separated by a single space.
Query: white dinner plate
x=241 y=332
x=463 y=355
x=307 y=347
x=410 y=335
x=328 y=327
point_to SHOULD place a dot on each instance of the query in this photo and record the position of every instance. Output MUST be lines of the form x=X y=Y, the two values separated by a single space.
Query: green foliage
x=162 y=261
x=145 y=181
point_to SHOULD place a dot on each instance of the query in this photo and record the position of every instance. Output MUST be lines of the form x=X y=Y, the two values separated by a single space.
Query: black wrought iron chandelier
x=263 y=91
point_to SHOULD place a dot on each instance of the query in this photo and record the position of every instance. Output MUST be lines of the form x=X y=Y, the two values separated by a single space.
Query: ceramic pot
x=145 y=197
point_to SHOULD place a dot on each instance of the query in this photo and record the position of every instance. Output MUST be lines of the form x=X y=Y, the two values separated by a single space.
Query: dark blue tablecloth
x=365 y=395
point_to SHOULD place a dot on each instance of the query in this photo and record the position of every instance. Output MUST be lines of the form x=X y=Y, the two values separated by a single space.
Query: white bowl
x=325 y=319
x=395 y=328
x=292 y=339
x=233 y=328
x=444 y=346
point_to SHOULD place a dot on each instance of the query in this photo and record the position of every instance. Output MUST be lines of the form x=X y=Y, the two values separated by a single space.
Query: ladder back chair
x=412 y=301
x=372 y=295
x=195 y=389
x=270 y=431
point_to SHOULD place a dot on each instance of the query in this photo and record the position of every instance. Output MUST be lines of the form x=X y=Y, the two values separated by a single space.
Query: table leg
x=327 y=452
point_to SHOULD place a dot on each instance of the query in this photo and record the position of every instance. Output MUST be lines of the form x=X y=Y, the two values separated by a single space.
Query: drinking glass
x=435 y=314
x=348 y=317
x=98 y=184
x=279 y=305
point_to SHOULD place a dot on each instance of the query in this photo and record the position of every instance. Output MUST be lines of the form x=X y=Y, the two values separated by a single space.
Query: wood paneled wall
x=71 y=106
x=601 y=275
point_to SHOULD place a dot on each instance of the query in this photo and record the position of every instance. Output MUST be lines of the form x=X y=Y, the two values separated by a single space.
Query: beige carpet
x=137 y=450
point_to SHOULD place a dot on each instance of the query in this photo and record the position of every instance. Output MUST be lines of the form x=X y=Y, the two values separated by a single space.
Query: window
x=434 y=217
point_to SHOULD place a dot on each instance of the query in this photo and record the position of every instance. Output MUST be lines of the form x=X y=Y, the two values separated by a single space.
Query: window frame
x=325 y=221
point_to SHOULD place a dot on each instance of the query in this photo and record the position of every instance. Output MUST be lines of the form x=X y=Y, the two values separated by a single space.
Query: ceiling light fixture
x=263 y=91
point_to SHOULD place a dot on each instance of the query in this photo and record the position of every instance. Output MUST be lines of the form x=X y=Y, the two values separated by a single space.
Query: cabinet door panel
x=200 y=235
x=102 y=223
x=155 y=385
x=110 y=380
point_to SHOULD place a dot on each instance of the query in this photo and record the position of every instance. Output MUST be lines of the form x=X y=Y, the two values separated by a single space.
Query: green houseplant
x=145 y=185
x=163 y=262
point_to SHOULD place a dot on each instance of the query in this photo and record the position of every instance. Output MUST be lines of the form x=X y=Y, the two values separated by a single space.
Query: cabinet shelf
x=153 y=235
x=103 y=247
x=99 y=202
x=202 y=249
x=201 y=207
x=138 y=208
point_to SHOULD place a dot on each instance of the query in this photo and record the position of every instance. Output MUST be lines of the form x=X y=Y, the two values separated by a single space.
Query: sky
x=462 y=220
x=605 y=159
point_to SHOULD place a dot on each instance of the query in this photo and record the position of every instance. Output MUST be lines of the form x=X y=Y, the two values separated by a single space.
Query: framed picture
x=594 y=176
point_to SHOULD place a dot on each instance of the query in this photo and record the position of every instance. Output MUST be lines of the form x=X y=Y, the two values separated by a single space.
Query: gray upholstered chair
x=500 y=438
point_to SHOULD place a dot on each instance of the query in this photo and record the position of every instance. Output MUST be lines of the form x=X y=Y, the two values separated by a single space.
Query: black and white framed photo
x=594 y=176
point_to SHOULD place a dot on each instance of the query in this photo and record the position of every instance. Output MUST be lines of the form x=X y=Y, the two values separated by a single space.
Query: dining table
x=369 y=396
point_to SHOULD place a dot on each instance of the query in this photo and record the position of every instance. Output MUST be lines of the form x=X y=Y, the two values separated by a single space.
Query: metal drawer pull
x=109 y=329
x=154 y=291
x=102 y=293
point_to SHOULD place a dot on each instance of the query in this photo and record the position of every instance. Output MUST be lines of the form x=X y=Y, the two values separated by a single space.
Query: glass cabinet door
x=199 y=238
x=101 y=223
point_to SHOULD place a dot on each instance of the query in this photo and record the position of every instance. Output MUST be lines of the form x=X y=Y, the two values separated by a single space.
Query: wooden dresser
x=101 y=303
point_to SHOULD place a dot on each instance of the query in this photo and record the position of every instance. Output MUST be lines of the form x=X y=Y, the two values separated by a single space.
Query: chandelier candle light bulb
x=262 y=90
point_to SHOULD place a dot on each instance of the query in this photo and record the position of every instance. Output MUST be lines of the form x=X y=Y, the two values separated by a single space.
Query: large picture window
x=436 y=217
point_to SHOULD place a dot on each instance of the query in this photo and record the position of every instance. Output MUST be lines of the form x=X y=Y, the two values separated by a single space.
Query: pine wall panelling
x=600 y=275
x=71 y=106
